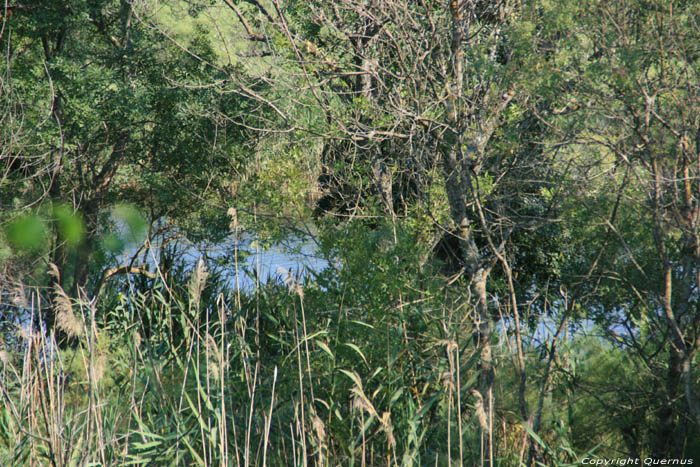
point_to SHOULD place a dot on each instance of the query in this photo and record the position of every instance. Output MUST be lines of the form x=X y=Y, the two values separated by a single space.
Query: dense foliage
x=503 y=200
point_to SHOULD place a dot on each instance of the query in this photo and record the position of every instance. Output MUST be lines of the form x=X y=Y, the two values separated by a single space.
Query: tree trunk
x=457 y=182
x=486 y=369
x=666 y=441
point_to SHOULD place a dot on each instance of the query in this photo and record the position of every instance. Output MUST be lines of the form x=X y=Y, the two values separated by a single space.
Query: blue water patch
x=241 y=262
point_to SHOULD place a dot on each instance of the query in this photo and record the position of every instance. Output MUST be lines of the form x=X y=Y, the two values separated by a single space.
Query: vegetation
x=503 y=197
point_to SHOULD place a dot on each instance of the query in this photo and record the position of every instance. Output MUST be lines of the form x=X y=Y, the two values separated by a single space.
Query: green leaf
x=537 y=439
x=353 y=376
x=113 y=243
x=398 y=393
x=325 y=348
x=134 y=220
x=27 y=233
x=425 y=407
x=70 y=224
x=357 y=349
x=361 y=323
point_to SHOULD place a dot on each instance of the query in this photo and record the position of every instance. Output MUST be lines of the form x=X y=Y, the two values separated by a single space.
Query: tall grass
x=189 y=373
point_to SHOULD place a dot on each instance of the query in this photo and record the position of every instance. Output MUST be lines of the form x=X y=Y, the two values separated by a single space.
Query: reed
x=191 y=373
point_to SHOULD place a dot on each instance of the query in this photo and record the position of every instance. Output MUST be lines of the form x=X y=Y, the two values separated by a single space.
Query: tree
x=639 y=99
x=99 y=112
x=419 y=99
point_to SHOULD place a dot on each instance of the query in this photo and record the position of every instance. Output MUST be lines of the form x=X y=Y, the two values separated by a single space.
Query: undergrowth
x=194 y=373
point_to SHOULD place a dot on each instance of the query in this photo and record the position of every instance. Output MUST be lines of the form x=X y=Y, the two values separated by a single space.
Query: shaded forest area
x=503 y=199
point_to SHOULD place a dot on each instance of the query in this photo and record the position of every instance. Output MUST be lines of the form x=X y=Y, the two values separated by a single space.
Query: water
x=243 y=262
